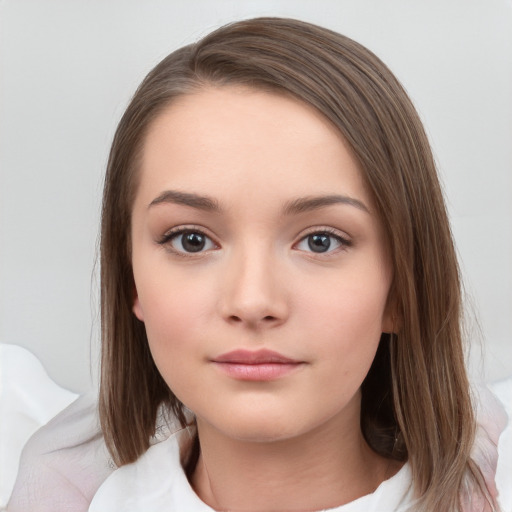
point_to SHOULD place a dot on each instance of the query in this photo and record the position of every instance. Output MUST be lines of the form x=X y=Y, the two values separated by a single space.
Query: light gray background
x=69 y=67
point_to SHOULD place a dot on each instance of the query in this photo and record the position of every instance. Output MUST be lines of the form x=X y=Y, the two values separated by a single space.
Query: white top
x=28 y=400
x=156 y=481
x=65 y=467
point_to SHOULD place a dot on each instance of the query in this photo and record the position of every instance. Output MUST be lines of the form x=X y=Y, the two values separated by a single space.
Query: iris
x=193 y=242
x=319 y=242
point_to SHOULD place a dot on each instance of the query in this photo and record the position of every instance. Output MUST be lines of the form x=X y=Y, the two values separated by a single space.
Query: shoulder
x=64 y=463
x=488 y=451
x=493 y=444
x=155 y=481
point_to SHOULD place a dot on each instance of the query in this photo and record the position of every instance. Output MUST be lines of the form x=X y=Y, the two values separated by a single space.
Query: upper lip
x=254 y=357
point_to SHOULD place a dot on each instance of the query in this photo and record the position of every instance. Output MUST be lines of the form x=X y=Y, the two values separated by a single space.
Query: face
x=260 y=267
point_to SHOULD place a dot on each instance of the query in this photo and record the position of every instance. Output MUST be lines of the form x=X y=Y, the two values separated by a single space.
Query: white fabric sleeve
x=29 y=398
x=63 y=463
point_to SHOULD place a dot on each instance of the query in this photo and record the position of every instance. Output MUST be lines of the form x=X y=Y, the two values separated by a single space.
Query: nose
x=254 y=293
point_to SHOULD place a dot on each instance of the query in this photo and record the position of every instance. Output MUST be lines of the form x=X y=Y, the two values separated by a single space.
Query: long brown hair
x=415 y=400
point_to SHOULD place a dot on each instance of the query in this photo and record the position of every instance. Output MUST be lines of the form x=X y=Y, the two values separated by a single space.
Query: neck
x=324 y=468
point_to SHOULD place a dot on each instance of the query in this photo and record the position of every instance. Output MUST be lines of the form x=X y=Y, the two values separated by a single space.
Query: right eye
x=188 y=241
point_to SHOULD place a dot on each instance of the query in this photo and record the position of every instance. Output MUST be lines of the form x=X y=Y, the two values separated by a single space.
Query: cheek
x=171 y=315
x=347 y=323
x=169 y=298
x=175 y=312
x=172 y=322
x=354 y=306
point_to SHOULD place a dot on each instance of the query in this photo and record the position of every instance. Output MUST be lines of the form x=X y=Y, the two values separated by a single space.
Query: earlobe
x=391 y=322
x=137 y=309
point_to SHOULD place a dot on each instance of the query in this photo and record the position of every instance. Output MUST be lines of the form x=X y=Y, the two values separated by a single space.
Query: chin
x=260 y=425
x=263 y=432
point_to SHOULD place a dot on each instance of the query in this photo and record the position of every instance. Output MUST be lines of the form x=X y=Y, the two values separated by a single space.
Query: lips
x=254 y=357
x=260 y=365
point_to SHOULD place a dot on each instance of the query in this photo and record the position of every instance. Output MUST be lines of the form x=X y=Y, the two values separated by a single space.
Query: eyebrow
x=296 y=206
x=306 y=204
x=187 y=199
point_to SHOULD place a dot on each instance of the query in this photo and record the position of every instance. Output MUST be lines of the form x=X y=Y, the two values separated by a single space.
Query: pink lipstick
x=260 y=365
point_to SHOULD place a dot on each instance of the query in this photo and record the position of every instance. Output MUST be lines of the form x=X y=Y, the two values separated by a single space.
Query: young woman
x=281 y=302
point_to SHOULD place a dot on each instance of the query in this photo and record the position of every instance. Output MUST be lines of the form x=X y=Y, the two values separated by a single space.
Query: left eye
x=190 y=242
x=321 y=242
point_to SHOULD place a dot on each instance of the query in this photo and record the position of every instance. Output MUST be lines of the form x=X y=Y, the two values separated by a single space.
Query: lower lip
x=258 y=372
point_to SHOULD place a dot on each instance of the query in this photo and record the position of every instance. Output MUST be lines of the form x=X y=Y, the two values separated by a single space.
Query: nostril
x=267 y=318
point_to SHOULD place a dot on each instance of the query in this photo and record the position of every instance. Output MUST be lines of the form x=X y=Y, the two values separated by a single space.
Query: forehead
x=216 y=138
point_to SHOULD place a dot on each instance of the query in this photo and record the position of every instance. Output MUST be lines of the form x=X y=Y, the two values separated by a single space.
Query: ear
x=137 y=308
x=391 y=321
x=389 y=324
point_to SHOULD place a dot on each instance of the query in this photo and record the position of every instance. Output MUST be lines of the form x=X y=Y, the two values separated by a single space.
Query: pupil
x=193 y=242
x=319 y=243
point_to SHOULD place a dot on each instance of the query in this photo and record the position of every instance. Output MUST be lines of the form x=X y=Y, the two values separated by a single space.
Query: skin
x=294 y=442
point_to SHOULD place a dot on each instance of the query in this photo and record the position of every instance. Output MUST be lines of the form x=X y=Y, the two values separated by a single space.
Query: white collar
x=156 y=481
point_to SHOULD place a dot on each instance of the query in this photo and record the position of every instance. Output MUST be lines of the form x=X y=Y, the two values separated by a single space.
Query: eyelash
x=173 y=234
x=344 y=243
